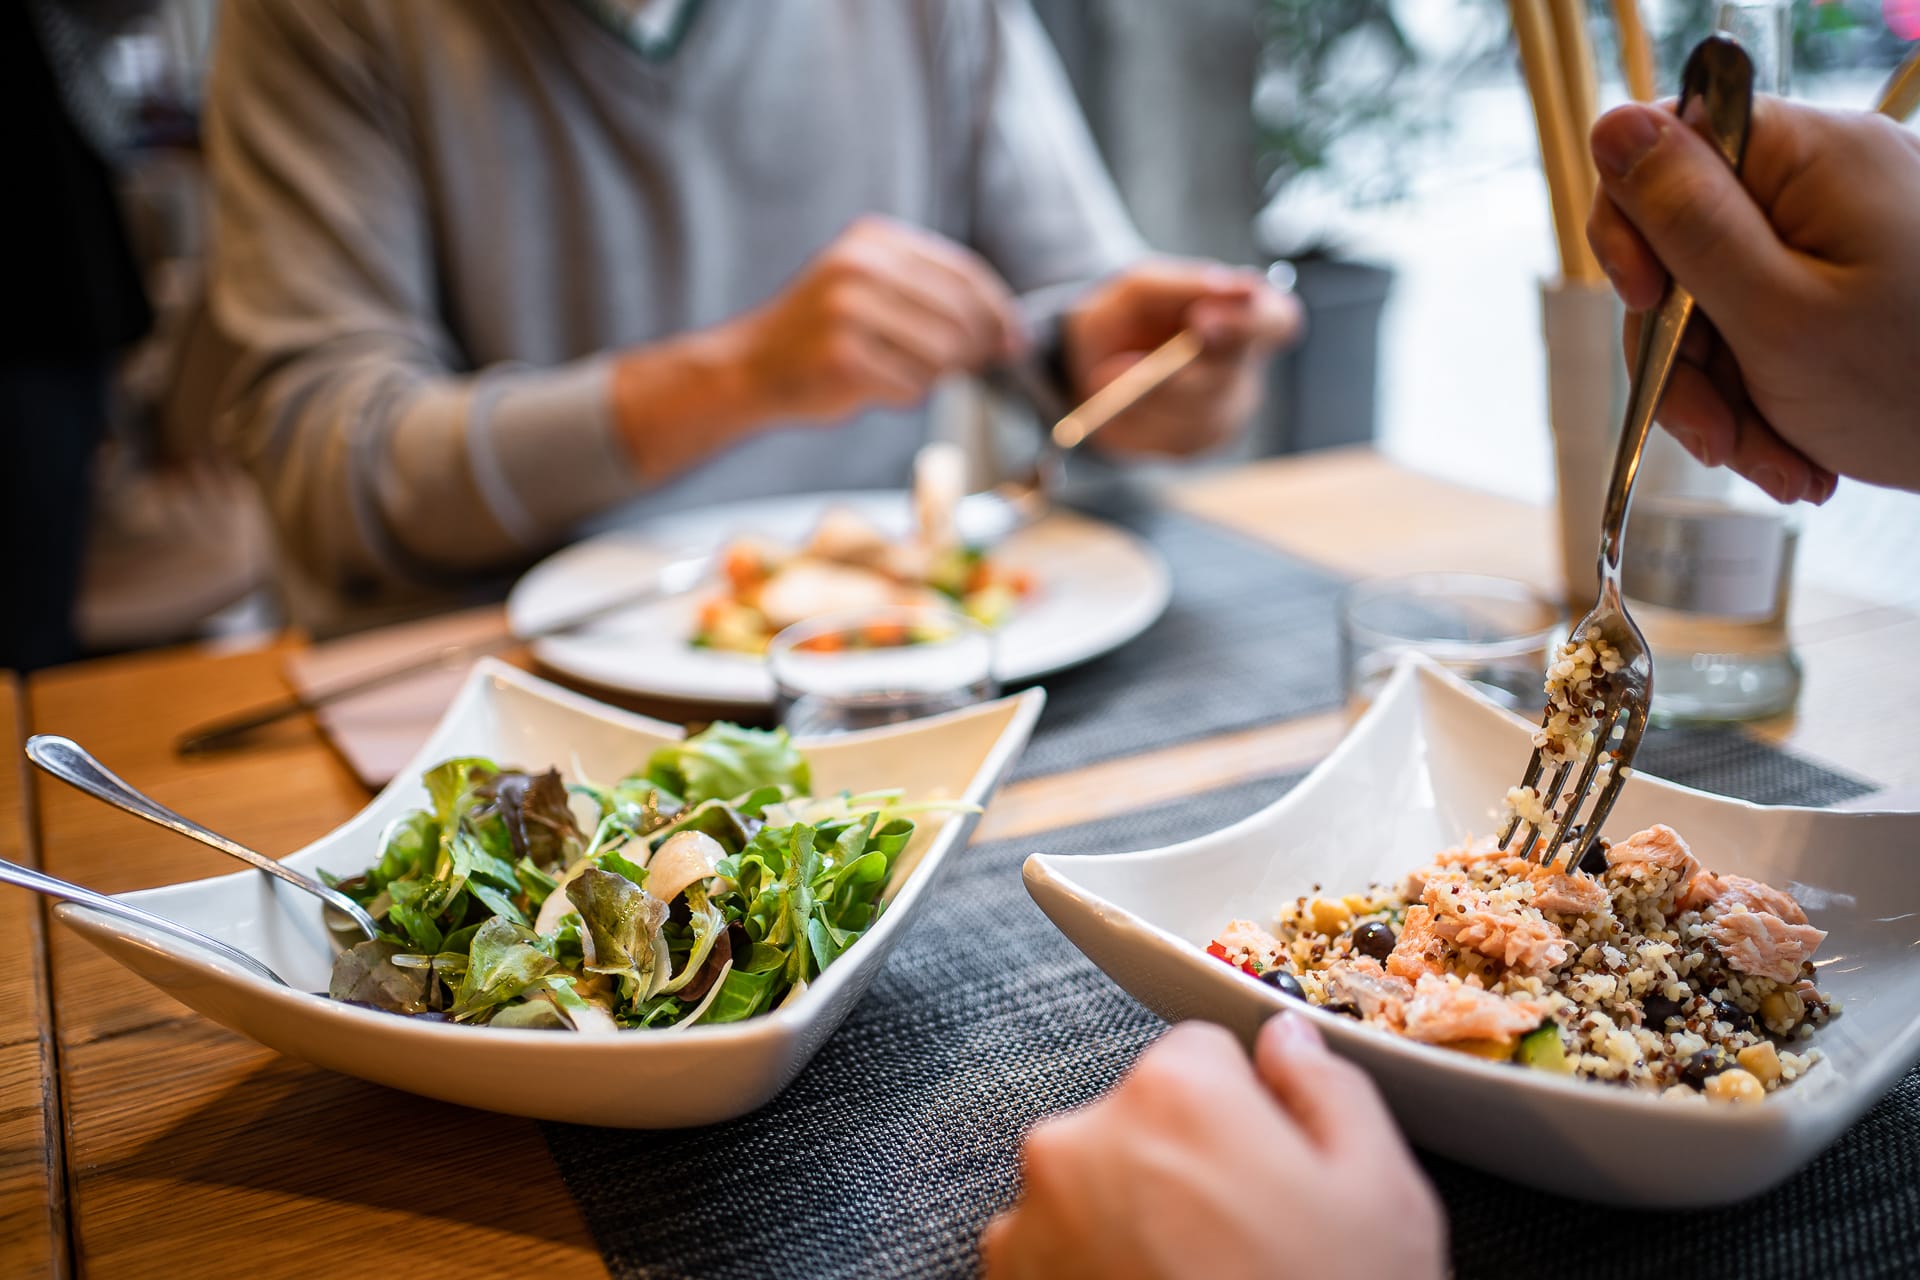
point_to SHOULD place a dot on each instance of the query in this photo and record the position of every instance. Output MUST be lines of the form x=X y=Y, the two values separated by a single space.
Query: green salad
x=711 y=886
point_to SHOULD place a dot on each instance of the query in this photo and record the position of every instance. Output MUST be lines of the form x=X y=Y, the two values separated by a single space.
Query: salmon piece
x=1471 y=851
x=1444 y=1010
x=1658 y=848
x=1573 y=893
x=1419 y=950
x=1362 y=983
x=1244 y=940
x=1714 y=894
x=1763 y=945
x=1468 y=917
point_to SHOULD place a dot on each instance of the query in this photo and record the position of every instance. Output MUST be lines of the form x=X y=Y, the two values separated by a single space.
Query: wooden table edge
x=56 y=1222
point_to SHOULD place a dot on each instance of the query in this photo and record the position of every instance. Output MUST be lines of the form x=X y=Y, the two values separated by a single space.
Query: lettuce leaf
x=367 y=975
x=622 y=926
x=726 y=760
x=503 y=962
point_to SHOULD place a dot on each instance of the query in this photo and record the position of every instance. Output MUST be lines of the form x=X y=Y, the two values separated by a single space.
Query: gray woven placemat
x=896 y=1145
x=1248 y=638
x=898 y=1142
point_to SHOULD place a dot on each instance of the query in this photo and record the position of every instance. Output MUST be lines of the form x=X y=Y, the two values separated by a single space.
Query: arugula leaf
x=504 y=961
x=742 y=996
x=411 y=846
x=622 y=923
x=725 y=761
x=618 y=863
x=715 y=818
x=534 y=882
x=450 y=785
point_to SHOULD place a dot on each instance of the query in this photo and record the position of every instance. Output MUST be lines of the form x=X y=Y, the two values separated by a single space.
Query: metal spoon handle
x=53 y=887
x=68 y=761
x=1716 y=97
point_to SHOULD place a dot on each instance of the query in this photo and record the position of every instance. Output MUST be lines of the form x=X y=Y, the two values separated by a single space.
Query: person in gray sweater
x=486 y=269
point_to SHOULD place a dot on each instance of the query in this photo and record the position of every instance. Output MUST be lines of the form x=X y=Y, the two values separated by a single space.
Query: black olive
x=1283 y=982
x=1374 y=938
x=1729 y=1012
x=1594 y=860
x=1660 y=1011
x=1351 y=1010
x=1704 y=1065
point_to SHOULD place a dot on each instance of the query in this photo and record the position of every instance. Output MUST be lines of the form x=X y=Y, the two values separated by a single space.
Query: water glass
x=1493 y=632
x=869 y=667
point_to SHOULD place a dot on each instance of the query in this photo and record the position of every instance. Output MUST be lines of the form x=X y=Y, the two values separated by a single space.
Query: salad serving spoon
x=64 y=891
x=68 y=761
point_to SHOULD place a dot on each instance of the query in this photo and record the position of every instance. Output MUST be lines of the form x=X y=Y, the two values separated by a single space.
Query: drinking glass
x=869 y=667
x=1492 y=632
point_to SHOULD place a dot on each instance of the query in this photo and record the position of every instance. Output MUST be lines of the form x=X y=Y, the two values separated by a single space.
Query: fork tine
x=1550 y=798
x=1622 y=758
x=1604 y=731
x=1527 y=779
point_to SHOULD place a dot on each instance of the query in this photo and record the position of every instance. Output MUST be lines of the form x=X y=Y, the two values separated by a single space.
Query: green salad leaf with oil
x=708 y=887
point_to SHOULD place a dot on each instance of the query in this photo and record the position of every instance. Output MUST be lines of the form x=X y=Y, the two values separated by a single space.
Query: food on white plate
x=1636 y=967
x=849 y=565
x=710 y=887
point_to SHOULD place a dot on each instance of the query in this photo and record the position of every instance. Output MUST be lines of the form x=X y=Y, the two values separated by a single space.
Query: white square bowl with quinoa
x=1709 y=1004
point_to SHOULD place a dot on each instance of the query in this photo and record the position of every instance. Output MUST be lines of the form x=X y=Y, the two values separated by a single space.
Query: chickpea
x=1782 y=1010
x=1735 y=1085
x=1329 y=916
x=1763 y=1061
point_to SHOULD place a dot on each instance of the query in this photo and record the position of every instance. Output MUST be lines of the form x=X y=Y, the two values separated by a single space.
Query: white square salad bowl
x=1422 y=769
x=639 y=1079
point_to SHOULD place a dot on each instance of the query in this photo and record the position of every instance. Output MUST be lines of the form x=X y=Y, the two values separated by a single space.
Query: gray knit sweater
x=434 y=217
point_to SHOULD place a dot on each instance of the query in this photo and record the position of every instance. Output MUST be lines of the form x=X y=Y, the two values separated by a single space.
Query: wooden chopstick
x=1560 y=152
x=1901 y=94
x=1636 y=50
x=1574 y=50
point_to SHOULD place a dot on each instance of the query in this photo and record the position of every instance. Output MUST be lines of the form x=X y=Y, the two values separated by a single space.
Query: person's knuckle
x=1168 y=1064
x=843 y=353
x=1049 y=1152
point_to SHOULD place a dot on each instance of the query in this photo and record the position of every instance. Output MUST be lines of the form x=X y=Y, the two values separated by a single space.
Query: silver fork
x=1716 y=97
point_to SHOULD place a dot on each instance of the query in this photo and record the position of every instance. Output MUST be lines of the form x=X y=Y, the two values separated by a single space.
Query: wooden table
x=180 y=1148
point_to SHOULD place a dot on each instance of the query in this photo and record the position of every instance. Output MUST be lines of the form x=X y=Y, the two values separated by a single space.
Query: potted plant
x=1331 y=107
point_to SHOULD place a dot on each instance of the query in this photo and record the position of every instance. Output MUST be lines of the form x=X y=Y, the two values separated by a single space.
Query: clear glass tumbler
x=1494 y=632
x=870 y=667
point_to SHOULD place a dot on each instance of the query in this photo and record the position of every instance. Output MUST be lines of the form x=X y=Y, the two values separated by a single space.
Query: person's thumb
x=1332 y=1100
x=1690 y=207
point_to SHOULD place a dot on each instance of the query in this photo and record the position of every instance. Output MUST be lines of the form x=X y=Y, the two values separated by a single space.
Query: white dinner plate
x=633 y=1079
x=1096 y=587
x=1422 y=769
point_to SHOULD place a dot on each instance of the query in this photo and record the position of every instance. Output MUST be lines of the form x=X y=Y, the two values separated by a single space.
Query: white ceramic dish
x=1098 y=587
x=634 y=1079
x=1421 y=770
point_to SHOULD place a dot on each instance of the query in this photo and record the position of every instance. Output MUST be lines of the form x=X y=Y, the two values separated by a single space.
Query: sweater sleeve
x=383 y=458
x=1045 y=210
